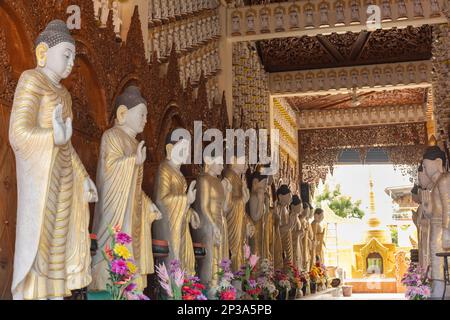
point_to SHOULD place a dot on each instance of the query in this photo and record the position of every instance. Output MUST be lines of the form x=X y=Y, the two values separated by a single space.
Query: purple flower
x=253 y=260
x=143 y=297
x=131 y=287
x=119 y=267
x=246 y=251
x=228 y=276
x=174 y=266
x=225 y=264
x=123 y=238
x=201 y=297
x=252 y=283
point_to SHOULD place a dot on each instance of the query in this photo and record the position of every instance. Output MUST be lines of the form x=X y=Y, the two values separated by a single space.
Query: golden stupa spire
x=376 y=229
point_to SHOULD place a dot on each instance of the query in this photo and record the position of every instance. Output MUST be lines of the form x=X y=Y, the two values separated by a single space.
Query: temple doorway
x=374 y=263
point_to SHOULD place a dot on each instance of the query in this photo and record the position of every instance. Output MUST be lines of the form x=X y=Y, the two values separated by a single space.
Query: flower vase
x=283 y=294
x=305 y=286
x=313 y=287
x=292 y=294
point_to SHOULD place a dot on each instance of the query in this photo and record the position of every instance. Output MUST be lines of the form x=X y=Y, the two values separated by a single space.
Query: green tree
x=394 y=234
x=343 y=206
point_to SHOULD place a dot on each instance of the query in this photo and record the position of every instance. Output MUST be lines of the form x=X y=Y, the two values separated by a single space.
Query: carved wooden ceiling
x=367 y=99
x=349 y=49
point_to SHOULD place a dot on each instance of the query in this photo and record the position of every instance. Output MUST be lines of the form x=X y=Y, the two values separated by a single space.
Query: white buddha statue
x=121 y=199
x=435 y=204
x=52 y=255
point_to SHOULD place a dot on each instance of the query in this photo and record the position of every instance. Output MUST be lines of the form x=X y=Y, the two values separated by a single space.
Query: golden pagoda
x=376 y=254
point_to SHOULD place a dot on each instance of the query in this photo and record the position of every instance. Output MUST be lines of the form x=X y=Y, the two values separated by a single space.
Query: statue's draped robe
x=122 y=203
x=236 y=218
x=268 y=229
x=278 y=246
x=297 y=243
x=257 y=219
x=209 y=205
x=307 y=245
x=286 y=234
x=52 y=254
x=318 y=241
x=171 y=198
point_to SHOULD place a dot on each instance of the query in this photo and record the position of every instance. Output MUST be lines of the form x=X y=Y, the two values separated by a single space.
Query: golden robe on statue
x=52 y=255
x=209 y=205
x=171 y=199
x=236 y=220
x=122 y=203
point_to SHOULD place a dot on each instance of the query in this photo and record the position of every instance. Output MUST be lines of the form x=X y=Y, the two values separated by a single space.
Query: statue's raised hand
x=62 y=131
x=141 y=153
x=90 y=191
x=191 y=193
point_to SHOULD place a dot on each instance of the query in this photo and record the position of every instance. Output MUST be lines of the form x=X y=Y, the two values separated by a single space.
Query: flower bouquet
x=266 y=280
x=417 y=283
x=225 y=290
x=295 y=279
x=247 y=275
x=121 y=267
x=177 y=285
x=282 y=284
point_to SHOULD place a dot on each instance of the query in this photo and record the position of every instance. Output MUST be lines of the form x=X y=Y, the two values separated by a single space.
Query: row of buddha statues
x=292 y=17
x=184 y=36
x=220 y=209
x=102 y=10
x=162 y=10
x=432 y=215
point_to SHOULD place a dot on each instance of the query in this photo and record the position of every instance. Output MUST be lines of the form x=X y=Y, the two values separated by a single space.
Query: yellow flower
x=131 y=267
x=122 y=251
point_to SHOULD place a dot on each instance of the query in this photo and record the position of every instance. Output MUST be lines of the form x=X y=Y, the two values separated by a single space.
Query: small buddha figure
x=236 y=216
x=210 y=205
x=97 y=7
x=116 y=18
x=236 y=24
x=283 y=246
x=173 y=198
x=354 y=11
x=105 y=12
x=309 y=18
x=297 y=231
x=257 y=209
x=279 y=20
x=264 y=17
x=418 y=10
x=294 y=18
x=318 y=235
x=324 y=14
x=402 y=9
x=340 y=18
x=386 y=9
x=52 y=249
x=121 y=199
x=436 y=204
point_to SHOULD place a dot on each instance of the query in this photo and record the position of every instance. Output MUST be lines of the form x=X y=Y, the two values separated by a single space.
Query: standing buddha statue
x=210 y=205
x=52 y=254
x=258 y=210
x=296 y=210
x=121 y=199
x=236 y=216
x=283 y=246
x=173 y=198
x=318 y=236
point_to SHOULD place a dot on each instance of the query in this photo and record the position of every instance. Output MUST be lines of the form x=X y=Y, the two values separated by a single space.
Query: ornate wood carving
x=343 y=50
x=319 y=148
x=102 y=69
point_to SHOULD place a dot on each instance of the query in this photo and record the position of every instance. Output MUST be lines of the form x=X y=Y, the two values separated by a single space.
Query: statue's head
x=55 y=49
x=131 y=109
x=284 y=195
x=424 y=181
x=434 y=161
x=318 y=215
x=213 y=164
x=296 y=205
x=239 y=164
x=178 y=146
x=259 y=182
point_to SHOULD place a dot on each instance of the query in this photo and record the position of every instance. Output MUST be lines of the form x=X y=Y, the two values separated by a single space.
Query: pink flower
x=164 y=279
x=247 y=251
x=179 y=278
x=123 y=238
x=119 y=267
x=253 y=260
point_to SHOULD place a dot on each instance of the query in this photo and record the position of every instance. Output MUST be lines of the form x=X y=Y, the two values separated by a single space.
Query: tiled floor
x=361 y=296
